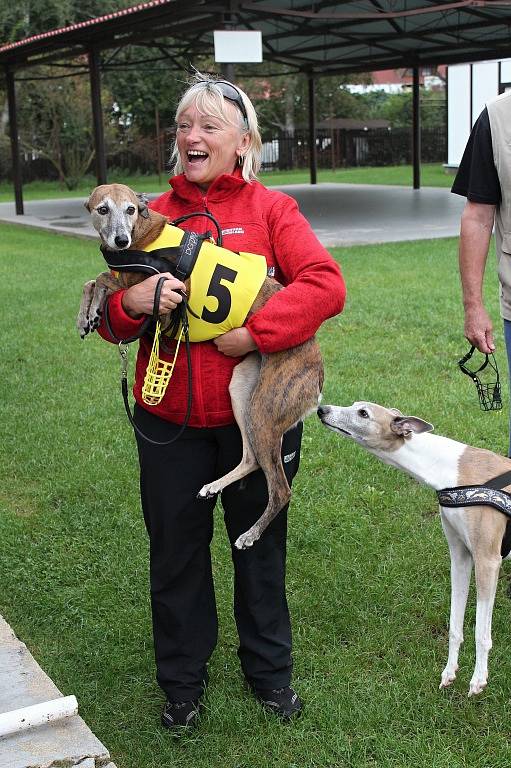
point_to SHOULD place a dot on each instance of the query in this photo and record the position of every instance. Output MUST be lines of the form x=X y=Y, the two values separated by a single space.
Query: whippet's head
x=115 y=209
x=372 y=426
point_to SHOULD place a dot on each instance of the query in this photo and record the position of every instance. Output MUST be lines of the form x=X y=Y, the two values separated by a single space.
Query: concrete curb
x=64 y=743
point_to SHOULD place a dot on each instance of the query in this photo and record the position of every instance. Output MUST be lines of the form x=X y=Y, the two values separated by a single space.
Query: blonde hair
x=209 y=100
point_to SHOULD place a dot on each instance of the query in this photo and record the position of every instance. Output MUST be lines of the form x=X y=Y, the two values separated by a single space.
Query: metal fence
x=343 y=148
x=338 y=148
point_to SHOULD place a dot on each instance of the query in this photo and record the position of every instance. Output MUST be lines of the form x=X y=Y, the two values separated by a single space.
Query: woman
x=217 y=154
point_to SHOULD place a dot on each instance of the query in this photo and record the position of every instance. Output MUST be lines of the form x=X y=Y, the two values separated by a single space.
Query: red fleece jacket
x=259 y=220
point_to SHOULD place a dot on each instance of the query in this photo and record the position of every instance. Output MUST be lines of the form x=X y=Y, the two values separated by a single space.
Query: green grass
x=368 y=568
x=433 y=175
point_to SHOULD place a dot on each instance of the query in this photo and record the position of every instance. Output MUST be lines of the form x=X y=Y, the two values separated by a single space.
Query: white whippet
x=474 y=533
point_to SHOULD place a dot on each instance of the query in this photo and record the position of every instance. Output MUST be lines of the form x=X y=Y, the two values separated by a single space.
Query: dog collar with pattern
x=472 y=495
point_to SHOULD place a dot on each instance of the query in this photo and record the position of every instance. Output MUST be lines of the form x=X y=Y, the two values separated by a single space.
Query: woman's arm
x=315 y=287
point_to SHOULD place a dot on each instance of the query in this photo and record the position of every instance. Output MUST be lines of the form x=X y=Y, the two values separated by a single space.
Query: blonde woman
x=217 y=156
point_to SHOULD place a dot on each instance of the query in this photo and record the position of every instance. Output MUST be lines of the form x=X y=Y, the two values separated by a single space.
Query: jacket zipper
x=198 y=364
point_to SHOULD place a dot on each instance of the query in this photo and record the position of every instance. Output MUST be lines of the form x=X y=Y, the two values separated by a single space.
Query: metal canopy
x=315 y=37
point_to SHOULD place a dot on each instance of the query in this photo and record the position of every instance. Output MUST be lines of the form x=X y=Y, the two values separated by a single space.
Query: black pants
x=180 y=529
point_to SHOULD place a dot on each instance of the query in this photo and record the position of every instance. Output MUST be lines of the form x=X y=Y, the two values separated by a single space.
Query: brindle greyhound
x=269 y=393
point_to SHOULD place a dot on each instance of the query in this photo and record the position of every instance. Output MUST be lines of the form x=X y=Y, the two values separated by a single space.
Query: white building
x=469 y=88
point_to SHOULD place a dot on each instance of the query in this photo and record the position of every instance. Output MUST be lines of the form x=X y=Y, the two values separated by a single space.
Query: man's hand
x=139 y=299
x=479 y=329
x=235 y=343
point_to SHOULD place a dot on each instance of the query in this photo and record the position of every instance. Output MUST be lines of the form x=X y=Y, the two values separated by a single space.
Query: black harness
x=490 y=494
x=179 y=261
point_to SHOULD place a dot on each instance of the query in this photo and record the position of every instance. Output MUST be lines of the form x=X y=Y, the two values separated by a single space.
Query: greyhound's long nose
x=121 y=241
x=323 y=410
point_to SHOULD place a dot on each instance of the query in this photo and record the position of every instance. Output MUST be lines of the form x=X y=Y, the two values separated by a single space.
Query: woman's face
x=208 y=146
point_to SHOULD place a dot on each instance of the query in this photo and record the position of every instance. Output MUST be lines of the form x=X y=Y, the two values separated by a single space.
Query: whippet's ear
x=143 y=210
x=405 y=425
x=87 y=203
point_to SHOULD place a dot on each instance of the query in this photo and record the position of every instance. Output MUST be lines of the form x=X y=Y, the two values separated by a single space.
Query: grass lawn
x=368 y=568
x=433 y=175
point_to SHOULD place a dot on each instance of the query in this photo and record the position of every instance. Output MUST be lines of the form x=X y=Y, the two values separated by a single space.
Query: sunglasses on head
x=231 y=93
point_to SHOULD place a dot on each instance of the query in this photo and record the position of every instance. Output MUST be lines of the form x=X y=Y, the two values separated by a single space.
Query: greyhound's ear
x=143 y=210
x=405 y=425
x=87 y=204
x=396 y=411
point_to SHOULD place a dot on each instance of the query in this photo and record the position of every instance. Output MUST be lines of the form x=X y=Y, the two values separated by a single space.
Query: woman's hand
x=235 y=343
x=139 y=299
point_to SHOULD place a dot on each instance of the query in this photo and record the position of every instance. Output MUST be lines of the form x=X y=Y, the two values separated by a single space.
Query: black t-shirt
x=477 y=177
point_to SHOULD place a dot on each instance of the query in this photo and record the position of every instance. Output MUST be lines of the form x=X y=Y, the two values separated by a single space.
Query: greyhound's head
x=372 y=426
x=115 y=209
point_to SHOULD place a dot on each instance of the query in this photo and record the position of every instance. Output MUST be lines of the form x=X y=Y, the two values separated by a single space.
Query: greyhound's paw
x=477 y=685
x=207 y=492
x=448 y=676
x=95 y=321
x=246 y=540
x=83 y=328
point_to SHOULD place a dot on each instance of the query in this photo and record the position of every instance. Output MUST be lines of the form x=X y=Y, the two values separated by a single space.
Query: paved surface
x=340 y=214
x=62 y=743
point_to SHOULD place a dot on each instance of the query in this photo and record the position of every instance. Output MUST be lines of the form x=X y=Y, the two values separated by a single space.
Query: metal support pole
x=416 y=130
x=15 y=146
x=313 y=156
x=97 y=116
x=158 y=144
x=227 y=70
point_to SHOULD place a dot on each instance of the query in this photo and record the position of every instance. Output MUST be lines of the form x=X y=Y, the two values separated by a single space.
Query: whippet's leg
x=461 y=569
x=487 y=566
x=287 y=390
x=105 y=284
x=279 y=492
x=82 y=321
x=243 y=382
x=94 y=296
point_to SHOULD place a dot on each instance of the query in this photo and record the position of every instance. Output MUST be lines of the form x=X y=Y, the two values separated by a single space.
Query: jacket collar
x=223 y=187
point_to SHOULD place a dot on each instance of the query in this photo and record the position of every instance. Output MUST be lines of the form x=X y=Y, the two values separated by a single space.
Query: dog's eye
x=363 y=413
x=130 y=210
x=102 y=209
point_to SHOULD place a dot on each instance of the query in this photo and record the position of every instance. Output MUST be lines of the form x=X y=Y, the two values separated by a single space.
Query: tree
x=282 y=102
x=398 y=107
x=56 y=123
x=31 y=17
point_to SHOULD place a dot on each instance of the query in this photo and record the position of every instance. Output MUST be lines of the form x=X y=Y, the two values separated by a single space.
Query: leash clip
x=123 y=351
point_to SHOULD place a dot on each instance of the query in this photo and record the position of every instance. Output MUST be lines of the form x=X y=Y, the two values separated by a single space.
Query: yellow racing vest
x=223 y=285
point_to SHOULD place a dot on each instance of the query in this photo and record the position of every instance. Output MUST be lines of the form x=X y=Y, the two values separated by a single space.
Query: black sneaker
x=283 y=702
x=177 y=715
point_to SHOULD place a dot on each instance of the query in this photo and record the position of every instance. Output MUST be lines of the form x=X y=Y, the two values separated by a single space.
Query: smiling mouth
x=196 y=156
